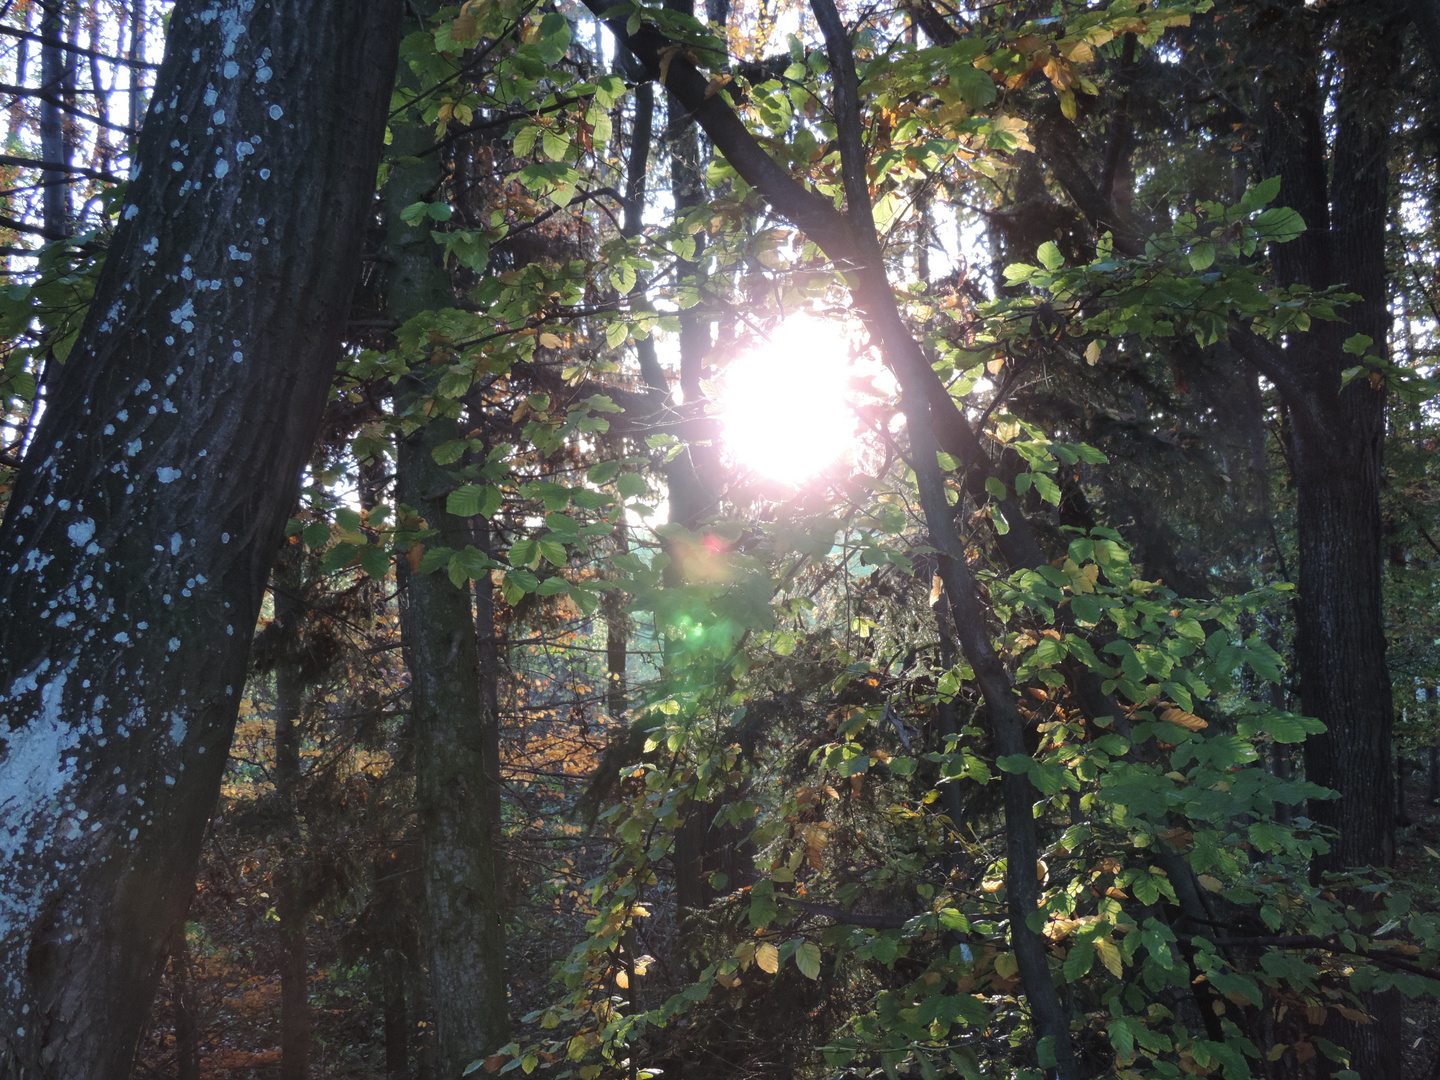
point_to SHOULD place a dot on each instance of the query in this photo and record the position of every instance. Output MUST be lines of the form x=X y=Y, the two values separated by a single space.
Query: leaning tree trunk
x=138 y=539
x=453 y=727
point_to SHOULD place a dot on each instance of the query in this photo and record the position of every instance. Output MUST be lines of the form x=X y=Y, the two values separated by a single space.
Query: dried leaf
x=1181 y=718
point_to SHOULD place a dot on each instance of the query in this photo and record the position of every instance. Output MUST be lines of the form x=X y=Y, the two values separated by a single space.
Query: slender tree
x=452 y=719
x=140 y=533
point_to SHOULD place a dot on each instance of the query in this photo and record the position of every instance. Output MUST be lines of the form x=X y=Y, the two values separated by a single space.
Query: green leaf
x=1202 y=256
x=470 y=563
x=316 y=534
x=554 y=145
x=1279 y=224
x=996 y=487
x=471 y=499
x=1261 y=194
x=631 y=485
x=523 y=552
x=449 y=452
x=434 y=558
x=552 y=551
x=807 y=959
x=1049 y=256
x=375 y=561
x=603 y=473
x=1048 y=489
x=976 y=87
x=1358 y=344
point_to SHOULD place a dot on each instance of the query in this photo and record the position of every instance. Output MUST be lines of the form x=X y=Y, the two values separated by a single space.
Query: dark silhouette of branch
x=78 y=50
x=58 y=166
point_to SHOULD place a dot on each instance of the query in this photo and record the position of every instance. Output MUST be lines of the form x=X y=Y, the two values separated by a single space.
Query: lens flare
x=784 y=407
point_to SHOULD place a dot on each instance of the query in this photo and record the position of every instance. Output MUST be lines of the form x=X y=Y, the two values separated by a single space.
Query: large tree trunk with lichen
x=138 y=539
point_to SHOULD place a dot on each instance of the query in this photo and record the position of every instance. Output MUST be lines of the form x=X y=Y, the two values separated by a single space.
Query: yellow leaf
x=745 y=953
x=1006 y=966
x=550 y=341
x=667 y=54
x=1092 y=353
x=1109 y=954
x=716 y=83
x=1060 y=73
x=1014 y=126
x=1209 y=882
x=622 y=980
x=995 y=365
x=767 y=958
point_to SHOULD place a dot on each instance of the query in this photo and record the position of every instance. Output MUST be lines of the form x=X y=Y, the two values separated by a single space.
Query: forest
x=796 y=539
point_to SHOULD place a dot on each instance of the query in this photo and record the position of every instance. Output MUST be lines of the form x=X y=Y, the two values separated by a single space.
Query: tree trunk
x=456 y=782
x=290 y=902
x=1337 y=442
x=187 y=1009
x=55 y=64
x=140 y=533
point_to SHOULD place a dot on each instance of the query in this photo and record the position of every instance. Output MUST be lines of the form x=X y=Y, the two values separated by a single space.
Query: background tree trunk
x=55 y=65
x=290 y=902
x=456 y=779
x=140 y=533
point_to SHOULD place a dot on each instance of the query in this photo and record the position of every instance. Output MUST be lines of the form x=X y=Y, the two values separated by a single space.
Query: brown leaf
x=1181 y=718
x=413 y=557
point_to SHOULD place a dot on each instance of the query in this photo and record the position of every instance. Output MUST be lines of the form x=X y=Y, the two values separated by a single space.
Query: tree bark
x=55 y=63
x=290 y=902
x=187 y=1009
x=140 y=533
x=456 y=781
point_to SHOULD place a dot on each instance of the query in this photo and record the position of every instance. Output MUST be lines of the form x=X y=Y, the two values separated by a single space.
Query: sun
x=784 y=407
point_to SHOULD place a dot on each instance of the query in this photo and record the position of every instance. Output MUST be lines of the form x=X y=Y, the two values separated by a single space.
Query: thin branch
x=58 y=166
x=63 y=106
x=78 y=50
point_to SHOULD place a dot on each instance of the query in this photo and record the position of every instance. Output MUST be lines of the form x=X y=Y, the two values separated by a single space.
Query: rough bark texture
x=452 y=724
x=1337 y=443
x=138 y=539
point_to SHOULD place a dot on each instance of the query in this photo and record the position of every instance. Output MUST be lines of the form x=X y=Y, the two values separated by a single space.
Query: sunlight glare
x=784 y=404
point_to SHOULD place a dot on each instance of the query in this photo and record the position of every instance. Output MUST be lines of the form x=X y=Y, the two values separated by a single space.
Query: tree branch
x=58 y=166
x=813 y=214
x=78 y=50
